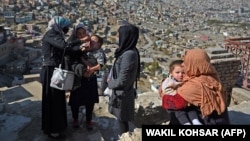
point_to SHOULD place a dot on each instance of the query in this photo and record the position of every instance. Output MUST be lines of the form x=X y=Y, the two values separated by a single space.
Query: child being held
x=90 y=58
x=169 y=87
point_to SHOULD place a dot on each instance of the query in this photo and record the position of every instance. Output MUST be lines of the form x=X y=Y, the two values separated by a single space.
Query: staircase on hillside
x=227 y=66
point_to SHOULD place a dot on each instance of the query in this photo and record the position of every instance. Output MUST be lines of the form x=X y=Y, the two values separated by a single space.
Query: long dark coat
x=54 y=114
x=123 y=98
x=125 y=73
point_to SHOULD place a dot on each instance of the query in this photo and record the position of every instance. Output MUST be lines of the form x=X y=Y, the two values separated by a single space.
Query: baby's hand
x=176 y=84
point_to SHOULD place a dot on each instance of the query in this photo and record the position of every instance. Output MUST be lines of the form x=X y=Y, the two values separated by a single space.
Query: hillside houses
x=166 y=31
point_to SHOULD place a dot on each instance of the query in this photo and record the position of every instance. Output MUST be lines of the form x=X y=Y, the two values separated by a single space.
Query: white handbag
x=62 y=79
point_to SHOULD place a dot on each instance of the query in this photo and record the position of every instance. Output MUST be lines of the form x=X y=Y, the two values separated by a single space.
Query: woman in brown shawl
x=202 y=88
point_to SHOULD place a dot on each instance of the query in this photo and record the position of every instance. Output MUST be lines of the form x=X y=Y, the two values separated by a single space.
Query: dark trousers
x=124 y=126
x=89 y=111
x=186 y=116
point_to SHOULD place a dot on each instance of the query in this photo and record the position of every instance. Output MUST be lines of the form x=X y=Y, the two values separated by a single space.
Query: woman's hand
x=85 y=74
x=108 y=79
x=85 y=39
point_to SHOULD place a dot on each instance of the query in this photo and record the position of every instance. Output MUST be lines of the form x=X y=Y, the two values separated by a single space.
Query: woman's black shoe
x=90 y=125
x=57 y=136
x=76 y=123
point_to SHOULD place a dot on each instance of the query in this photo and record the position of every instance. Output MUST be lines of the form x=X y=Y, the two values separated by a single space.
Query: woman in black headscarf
x=125 y=73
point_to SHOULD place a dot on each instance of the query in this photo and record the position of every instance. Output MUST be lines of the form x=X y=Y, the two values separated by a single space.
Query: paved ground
x=20 y=119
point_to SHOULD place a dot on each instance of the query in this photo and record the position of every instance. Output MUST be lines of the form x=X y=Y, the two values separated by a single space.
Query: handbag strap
x=63 y=60
x=64 y=50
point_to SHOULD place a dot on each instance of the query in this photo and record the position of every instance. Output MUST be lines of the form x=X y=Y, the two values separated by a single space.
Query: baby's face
x=178 y=73
x=94 y=43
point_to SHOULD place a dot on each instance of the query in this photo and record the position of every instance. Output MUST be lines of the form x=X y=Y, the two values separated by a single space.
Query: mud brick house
x=227 y=66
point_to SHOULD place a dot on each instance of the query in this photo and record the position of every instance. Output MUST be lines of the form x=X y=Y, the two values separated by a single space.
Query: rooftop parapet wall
x=227 y=66
x=240 y=47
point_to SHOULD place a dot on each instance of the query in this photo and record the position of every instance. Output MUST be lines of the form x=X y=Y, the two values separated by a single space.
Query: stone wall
x=227 y=66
